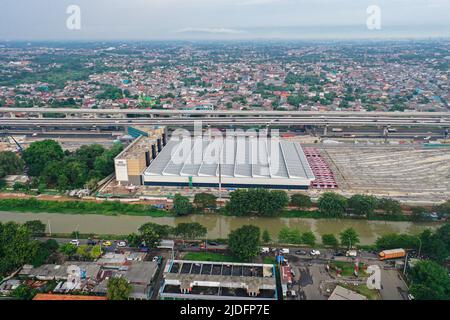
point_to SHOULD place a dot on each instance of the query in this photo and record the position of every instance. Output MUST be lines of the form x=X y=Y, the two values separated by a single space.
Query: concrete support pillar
x=385 y=134
x=325 y=130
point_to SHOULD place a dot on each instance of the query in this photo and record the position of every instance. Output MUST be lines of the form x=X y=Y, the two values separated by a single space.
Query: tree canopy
x=332 y=204
x=10 y=163
x=260 y=202
x=244 y=242
x=118 y=289
x=181 y=205
x=429 y=281
x=40 y=153
x=193 y=230
x=349 y=237
x=301 y=200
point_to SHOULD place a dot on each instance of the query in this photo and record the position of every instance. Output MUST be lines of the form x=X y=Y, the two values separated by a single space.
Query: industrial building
x=137 y=156
x=218 y=281
x=237 y=161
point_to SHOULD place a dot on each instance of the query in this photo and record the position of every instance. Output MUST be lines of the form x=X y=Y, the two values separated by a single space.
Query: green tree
x=390 y=206
x=309 y=238
x=134 y=240
x=193 y=230
x=362 y=205
x=244 y=242
x=181 y=205
x=429 y=281
x=152 y=233
x=10 y=163
x=434 y=246
x=332 y=204
x=118 y=289
x=89 y=153
x=205 y=200
x=266 y=236
x=394 y=241
x=68 y=249
x=40 y=153
x=23 y=292
x=301 y=200
x=43 y=252
x=260 y=202
x=349 y=238
x=16 y=247
x=290 y=236
x=330 y=240
x=36 y=227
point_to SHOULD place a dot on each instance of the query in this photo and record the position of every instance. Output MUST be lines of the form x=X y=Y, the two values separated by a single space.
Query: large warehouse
x=245 y=162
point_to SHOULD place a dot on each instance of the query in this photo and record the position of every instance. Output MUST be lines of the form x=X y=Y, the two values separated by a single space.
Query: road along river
x=218 y=226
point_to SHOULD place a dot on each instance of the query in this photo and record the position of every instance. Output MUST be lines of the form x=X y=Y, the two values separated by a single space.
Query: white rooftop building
x=237 y=161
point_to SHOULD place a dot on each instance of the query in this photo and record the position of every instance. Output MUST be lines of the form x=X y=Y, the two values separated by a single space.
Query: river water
x=218 y=226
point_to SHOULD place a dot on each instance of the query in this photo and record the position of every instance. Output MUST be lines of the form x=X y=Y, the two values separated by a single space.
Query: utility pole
x=49 y=227
x=420 y=246
x=406 y=263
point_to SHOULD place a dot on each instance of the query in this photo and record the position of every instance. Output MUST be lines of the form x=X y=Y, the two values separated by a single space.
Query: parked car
x=265 y=250
x=284 y=250
x=91 y=242
x=352 y=253
x=107 y=243
x=301 y=252
x=339 y=254
x=143 y=248
x=315 y=253
x=75 y=242
x=121 y=244
x=157 y=259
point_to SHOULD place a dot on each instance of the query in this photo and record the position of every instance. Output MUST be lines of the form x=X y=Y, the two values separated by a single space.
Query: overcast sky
x=222 y=19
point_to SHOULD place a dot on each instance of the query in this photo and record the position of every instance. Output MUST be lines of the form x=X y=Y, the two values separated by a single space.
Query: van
x=352 y=253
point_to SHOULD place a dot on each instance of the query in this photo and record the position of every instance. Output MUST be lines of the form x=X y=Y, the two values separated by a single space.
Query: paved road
x=392 y=286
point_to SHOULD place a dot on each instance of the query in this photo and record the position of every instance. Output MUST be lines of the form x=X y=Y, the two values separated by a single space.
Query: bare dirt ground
x=408 y=173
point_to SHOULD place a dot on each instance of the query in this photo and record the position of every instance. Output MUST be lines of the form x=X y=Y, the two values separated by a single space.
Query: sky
x=222 y=19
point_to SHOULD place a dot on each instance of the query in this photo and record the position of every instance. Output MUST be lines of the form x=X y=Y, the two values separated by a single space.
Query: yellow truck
x=392 y=254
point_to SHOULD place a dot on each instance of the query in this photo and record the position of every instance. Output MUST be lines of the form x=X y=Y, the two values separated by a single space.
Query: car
x=410 y=297
x=315 y=253
x=91 y=242
x=157 y=259
x=143 y=248
x=301 y=252
x=339 y=254
x=122 y=244
x=75 y=242
x=265 y=250
x=107 y=243
x=284 y=251
x=212 y=243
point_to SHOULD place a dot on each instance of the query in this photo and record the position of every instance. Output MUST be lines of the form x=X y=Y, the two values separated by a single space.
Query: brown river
x=218 y=226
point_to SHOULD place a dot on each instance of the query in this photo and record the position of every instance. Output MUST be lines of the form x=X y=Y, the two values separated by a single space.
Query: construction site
x=412 y=173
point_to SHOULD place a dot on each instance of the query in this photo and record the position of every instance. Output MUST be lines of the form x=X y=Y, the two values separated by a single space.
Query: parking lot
x=312 y=281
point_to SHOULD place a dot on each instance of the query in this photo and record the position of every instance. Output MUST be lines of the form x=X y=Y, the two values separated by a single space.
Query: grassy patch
x=362 y=289
x=347 y=268
x=269 y=260
x=210 y=256
x=111 y=208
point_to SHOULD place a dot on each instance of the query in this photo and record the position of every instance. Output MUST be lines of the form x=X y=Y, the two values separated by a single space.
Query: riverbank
x=218 y=226
x=109 y=208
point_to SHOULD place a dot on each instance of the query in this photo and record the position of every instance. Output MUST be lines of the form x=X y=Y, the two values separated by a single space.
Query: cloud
x=210 y=30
